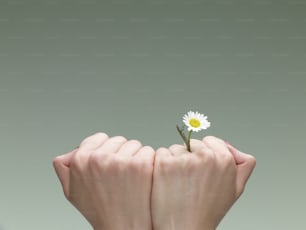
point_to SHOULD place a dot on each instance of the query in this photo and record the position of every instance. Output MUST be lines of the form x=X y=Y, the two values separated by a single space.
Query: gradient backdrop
x=71 y=68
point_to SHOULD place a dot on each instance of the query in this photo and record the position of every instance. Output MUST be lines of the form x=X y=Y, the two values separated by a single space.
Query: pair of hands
x=119 y=184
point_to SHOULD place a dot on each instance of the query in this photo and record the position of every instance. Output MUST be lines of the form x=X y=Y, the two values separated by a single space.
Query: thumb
x=245 y=165
x=61 y=165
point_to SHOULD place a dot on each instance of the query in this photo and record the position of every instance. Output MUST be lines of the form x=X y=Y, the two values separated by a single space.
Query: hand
x=195 y=190
x=109 y=181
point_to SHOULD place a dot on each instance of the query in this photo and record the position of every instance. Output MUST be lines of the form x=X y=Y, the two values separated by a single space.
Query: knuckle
x=174 y=146
x=196 y=142
x=94 y=160
x=94 y=139
x=164 y=164
x=212 y=140
x=161 y=150
x=90 y=141
x=116 y=164
x=209 y=156
x=119 y=138
x=227 y=158
x=100 y=135
x=135 y=142
x=209 y=139
x=76 y=164
x=161 y=153
x=148 y=148
x=227 y=165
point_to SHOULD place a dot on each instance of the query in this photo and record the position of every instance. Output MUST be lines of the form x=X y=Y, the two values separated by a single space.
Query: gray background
x=71 y=68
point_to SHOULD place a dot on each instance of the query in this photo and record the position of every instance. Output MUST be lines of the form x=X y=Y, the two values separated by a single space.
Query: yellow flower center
x=195 y=123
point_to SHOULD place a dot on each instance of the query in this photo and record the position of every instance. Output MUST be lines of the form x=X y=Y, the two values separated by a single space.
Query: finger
x=65 y=159
x=177 y=150
x=163 y=158
x=219 y=147
x=61 y=165
x=206 y=153
x=196 y=145
x=112 y=145
x=94 y=139
x=245 y=165
x=238 y=155
x=145 y=152
x=162 y=153
x=129 y=148
x=87 y=146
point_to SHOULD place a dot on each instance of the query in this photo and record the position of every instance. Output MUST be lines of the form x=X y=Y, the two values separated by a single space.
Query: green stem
x=188 y=141
x=181 y=134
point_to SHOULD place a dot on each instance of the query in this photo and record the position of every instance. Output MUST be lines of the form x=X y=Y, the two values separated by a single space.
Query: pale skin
x=195 y=190
x=119 y=184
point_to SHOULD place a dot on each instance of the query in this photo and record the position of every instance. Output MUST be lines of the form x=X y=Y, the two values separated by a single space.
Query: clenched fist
x=195 y=190
x=120 y=184
x=109 y=181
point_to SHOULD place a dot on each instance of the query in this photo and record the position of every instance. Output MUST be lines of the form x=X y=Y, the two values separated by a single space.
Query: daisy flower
x=194 y=121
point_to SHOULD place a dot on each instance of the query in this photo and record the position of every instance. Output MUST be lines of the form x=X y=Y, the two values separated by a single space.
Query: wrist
x=179 y=227
x=173 y=228
x=126 y=226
